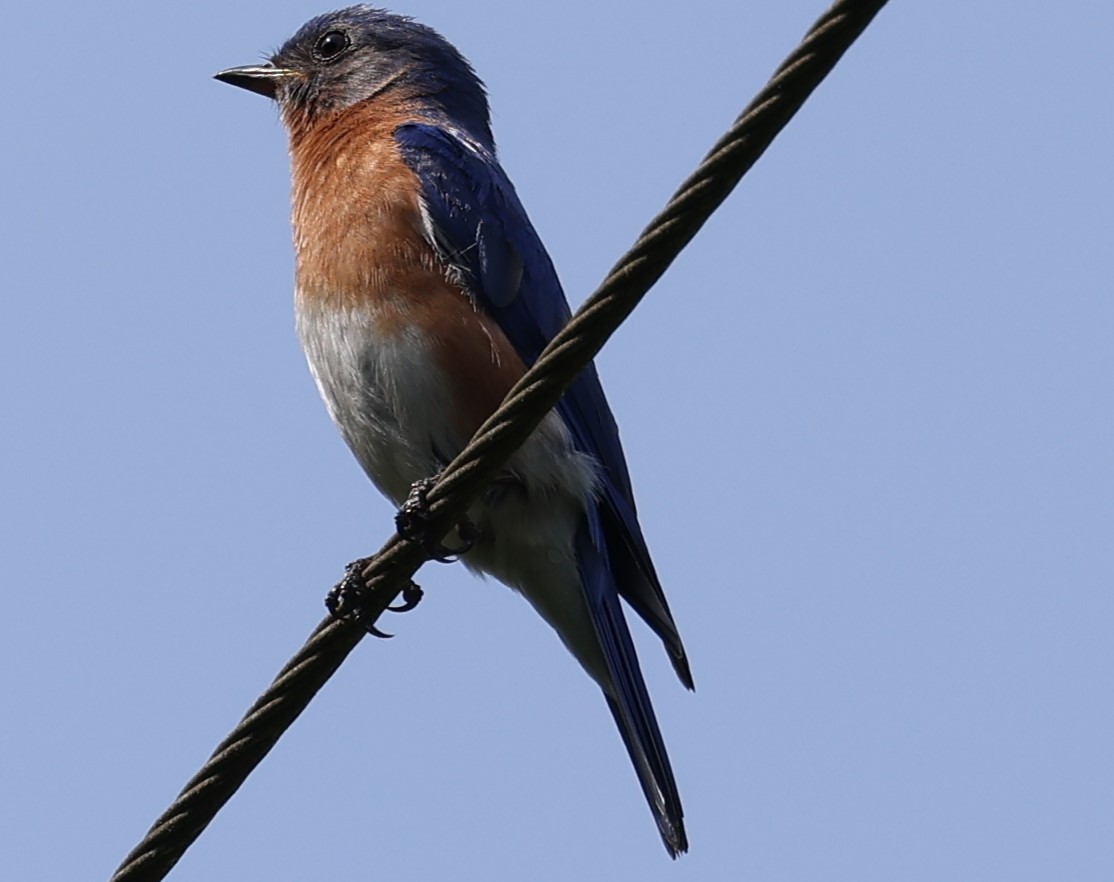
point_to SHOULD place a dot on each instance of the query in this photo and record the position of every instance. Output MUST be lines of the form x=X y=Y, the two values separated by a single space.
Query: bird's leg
x=348 y=599
x=412 y=523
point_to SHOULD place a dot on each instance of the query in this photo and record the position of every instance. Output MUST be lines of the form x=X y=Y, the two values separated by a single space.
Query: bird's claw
x=412 y=523
x=411 y=596
x=348 y=599
x=468 y=534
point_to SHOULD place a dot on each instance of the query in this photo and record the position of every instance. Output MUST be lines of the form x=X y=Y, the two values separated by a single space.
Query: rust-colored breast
x=359 y=246
x=356 y=216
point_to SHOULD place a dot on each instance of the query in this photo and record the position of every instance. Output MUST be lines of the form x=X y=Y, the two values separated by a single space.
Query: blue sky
x=868 y=413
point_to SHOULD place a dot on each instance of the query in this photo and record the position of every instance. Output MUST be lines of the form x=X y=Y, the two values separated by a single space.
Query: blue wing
x=478 y=225
x=475 y=221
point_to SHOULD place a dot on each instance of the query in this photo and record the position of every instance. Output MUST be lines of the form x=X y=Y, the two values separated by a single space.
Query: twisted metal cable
x=528 y=402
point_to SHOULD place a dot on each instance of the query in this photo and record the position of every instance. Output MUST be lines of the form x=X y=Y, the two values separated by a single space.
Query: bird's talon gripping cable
x=348 y=599
x=413 y=517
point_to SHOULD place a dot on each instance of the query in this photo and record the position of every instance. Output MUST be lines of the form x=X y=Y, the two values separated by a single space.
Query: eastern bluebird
x=422 y=293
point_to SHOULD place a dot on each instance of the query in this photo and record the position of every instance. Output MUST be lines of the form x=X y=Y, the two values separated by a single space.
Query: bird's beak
x=262 y=79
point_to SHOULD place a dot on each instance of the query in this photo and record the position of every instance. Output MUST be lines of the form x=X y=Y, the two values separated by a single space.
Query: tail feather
x=628 y=700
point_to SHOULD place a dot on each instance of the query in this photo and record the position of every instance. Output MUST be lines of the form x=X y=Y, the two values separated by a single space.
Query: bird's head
x=353 y=55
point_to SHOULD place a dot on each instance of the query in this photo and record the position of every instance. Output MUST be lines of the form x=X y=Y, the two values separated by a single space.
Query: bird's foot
x=348 y=599
x=412 y=523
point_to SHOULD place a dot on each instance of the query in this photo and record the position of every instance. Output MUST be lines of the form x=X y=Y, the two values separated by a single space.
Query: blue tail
x=634 y=715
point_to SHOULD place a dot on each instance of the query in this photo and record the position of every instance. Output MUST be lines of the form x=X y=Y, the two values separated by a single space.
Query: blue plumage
x=479 y=226
x=475 y=220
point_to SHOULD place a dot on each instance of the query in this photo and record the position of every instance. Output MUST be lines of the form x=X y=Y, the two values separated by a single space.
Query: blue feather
x=478 y=226
x=630 y=706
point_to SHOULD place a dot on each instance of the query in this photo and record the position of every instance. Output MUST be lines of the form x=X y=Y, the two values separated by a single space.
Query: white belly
x=392 y=405
x=384 y=393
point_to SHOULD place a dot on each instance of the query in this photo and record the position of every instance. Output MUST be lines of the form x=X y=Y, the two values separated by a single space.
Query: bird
x=422 y=294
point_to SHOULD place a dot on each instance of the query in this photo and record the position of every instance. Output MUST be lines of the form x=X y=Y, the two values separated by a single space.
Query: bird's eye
x=330 y=45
